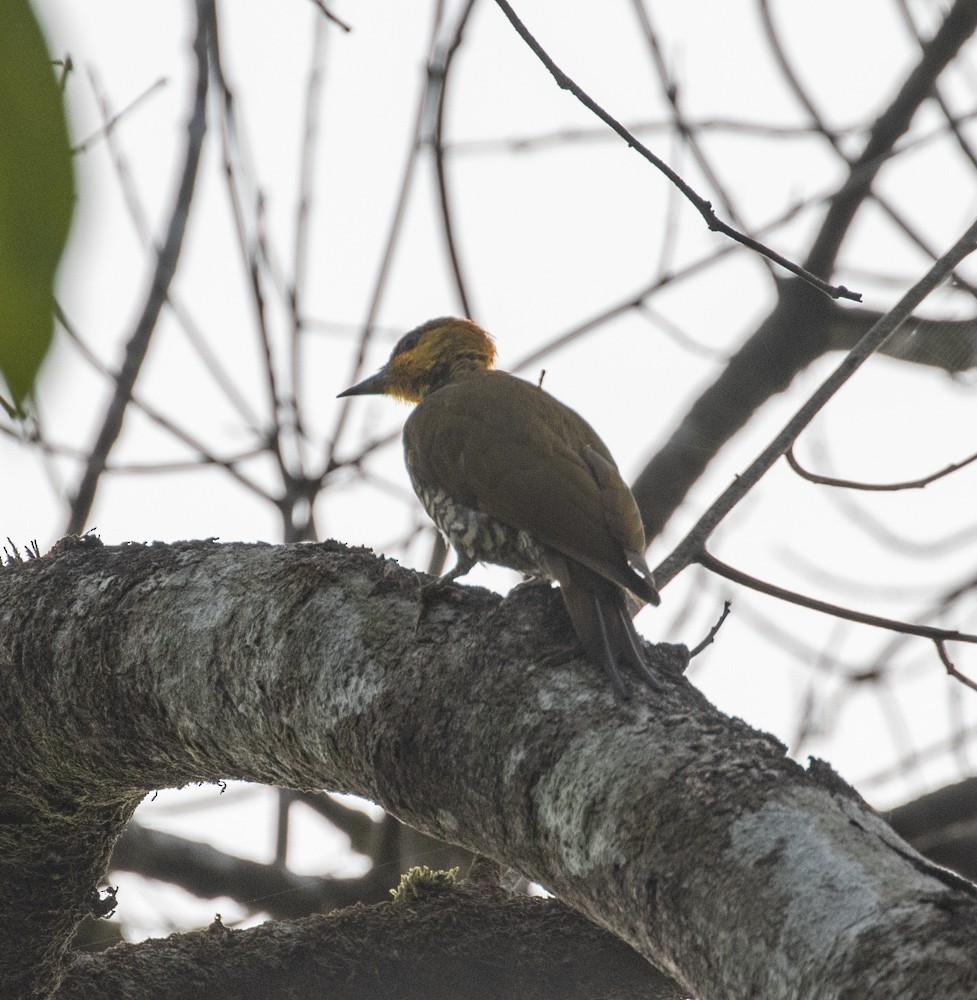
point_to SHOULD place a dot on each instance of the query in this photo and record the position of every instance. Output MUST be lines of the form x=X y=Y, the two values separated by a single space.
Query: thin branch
x=849 y=484
x=330 y=16
x=49 y=448
x=300 y=252
x=637 y=299
x=105 y=129
x=856 y=587
x=140 y=221
x=693 y=545
x=681 y=137
x=703 y=206
x=206 y=457
x=670 y=92
x=711 y=636
x=438 y=71
x=814 y=659
x=950 y=668
x=791 y=79
x=386 y=259
x=940 y=607
x=166 y=262
x=958 y=26
x=673 y=331
x=190 y=465
x=952 y=121
x=708 y=561
x=256 y=254
x=567 y=136
x=883 y=137
x=241 y=190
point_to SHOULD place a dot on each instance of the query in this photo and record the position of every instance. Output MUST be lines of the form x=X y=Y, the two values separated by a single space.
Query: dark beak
x=375 y=385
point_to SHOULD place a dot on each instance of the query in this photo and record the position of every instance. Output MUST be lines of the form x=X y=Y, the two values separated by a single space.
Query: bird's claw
x=424 y=595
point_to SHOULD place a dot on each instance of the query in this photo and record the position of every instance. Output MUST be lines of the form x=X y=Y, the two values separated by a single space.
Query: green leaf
x=36 y=194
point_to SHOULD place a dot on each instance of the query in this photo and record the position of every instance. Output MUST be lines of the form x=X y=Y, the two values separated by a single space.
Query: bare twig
x=256 y=255
x=567 y=136
x=107 y=126
x=140 y=221
x=959 y=25
x=952 y=121
x=801 y=326
x=711 y=636
x=257 y=259
x=438 y=72
x=814 y=659
x=703 y=206
x=950 y=668
x=673 y=331
x=206 y=456
x=307 y=160
x=884 y=135
x=166 y=262
x=330 y=16
x=938 y=635
x=693 y=545
x=637 y=299
x=849 y=484
x=386 y=260
x=671 y=91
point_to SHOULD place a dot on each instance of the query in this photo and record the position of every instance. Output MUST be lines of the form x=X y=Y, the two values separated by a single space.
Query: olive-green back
x=505 y=447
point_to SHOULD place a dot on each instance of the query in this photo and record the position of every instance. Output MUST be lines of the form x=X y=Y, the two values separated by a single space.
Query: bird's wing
x=512 y=451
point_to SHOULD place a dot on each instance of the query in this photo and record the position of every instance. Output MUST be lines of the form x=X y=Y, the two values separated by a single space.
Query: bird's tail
x=599 y=613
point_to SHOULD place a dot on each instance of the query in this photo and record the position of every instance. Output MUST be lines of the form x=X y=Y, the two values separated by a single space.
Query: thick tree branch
x=443 y=943
x=942 y=48
x=689 y=836
x=801 y=326
x=947 y=344
x=691 y=547
x=886 y=131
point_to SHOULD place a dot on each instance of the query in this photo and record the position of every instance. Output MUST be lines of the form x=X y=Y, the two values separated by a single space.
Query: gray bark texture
x=687 y=835
x=466 y=942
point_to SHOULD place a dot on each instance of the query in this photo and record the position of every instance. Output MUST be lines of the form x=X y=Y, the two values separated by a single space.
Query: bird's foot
x=428 y=590
x=650 y=676
x=634 y=650
x=425 y=594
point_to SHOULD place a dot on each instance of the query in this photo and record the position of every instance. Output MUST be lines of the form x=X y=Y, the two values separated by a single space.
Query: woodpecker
x=512 y=476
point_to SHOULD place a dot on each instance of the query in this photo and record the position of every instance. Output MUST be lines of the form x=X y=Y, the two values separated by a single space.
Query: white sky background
x=549 y=237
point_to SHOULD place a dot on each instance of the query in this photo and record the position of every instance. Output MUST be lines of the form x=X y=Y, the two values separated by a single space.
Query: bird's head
x=432 y=355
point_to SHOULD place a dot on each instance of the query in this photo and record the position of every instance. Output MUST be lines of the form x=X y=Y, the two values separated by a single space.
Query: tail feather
x=598 y=611
x=633 y=650
x=606 y=652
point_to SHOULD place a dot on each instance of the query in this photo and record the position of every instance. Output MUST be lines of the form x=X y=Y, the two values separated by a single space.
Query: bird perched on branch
x=511 y=476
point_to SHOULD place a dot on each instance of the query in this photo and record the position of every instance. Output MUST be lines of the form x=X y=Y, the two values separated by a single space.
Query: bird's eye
x=407 y=343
